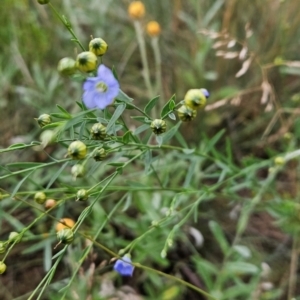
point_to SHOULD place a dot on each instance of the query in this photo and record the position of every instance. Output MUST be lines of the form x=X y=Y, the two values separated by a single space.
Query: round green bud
x=67 y=66
x=185 y=113
x=98 y=131
x=43 y=1
x=158 y=126
x=82 y=195
x=40 y=197
x=78 y=170
x=47 y=137
x=44 y=120
x=98 y=46
x=279 y=161
x=195 y=99
x=13 y=236
x=65 y=236
x=2 y=247
x=86 y=61
x=99 y=154
x=77 y=150
x=2 y=267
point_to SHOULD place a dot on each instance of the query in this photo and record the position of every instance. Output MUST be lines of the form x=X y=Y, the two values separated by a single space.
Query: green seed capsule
x=43 y=1
x=44 y=120
x=78 y=171
x=86 y=61
x=99 y=154
x=98 y=131
x=98 y=46
x=82 y=195
x=40 y=197
x=2 y=267
x=66 y=66
x=65 y=236
x=14 y=236
x=195 y=99
x=158 y=126
x=77 y=150
x=186 y=113
x=2 y=247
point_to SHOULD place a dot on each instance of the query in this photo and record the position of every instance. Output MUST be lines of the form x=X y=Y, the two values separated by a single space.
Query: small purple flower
x=100 y=91
x=205 y=92
x=123 y=266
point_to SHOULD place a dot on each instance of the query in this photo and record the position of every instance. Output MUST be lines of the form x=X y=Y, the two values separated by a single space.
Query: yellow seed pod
x=66 y=66
x=98 y=46
x=86 y=61
x=64 y=223
x=2 y=247
x=44 y=120
x=50 y=203
x=186 y=113
x=195 y=99
x=98 y=131
x=136 y=10
x=65 y=236
x=153 y=28
x=2 y=267
x=99 y=154
x=82 y=195
x=40 y=197
x=158 y=126
x=77 y=150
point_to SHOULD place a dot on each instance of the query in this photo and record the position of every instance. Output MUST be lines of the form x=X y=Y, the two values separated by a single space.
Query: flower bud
x=136 y=10
x=153 y=28
x=98 y=46
x=65 y=236
x=13 y=236
x=64 y=223
x=42 y=2
x=195 y=99
x=98 y=131
x=2 y=247
x=99 y=154
x=2 y=267
x=47 y=137
x=50 y=203
x=279 y=161
x=186 y=113
x=77 y=171
x=40 y=197
x=158 y=126
x=77 y=150
x=66 y=66
x=44 y=120
x=86 y=61
x=82 y=195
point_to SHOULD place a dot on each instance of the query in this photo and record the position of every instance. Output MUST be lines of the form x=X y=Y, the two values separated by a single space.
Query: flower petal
x=106 y=74
x=89 y=84
x=89 y=99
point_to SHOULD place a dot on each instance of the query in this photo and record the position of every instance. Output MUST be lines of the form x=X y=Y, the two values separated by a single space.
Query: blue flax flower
x=123 y=266
x=100 y=91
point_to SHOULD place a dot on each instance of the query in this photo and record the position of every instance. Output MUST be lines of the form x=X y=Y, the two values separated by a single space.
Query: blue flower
x=124 y=266
x=100 y=91
x=205 y=92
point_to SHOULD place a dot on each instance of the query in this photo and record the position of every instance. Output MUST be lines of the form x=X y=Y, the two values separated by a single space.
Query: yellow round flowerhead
x=44 y=120
x=86 y=61
x=185 y=113
x=2 y=267
x=40 y=197
x=82 y=195
x=99 y=154
x=78 y=170
x=136 y=10
x=195 y=99
x=153 y=28
x=98 y=131
x=77 y=150
x=98 y=46
x=66 y=66
x=50 y=203
x=158 y=126
x=64 y=223
x=65 y=236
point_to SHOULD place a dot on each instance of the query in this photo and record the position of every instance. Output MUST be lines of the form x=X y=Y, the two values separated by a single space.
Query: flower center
x=101 y=87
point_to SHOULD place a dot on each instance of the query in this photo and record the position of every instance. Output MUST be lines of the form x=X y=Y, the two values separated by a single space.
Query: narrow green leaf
x=64 y=111
x=118 y=112
x=115 y=72
x=170 y=133
x=219 y=236
x=159 y=140
x=172 y=116
x=151 y=104
x=141 y=119
x=60 y=116
x=123 y=97
x=126 y=137
x=141 y=129
x=166 y=109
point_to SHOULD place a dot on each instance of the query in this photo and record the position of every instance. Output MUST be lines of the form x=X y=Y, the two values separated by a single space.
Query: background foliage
x=239 y=238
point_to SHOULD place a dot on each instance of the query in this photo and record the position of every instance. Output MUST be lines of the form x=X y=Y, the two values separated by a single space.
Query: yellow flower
x=98 y=46
x=195 y=99
x=64 y=223
x=153 y=28
x=158 y=126
x=77 y=150
x=86 y=61
x=185 y=113
x=136 y=10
